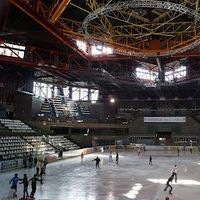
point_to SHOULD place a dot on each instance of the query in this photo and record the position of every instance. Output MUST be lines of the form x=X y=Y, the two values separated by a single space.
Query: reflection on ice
x=134 y=191
x=110 y=196
x=180 y=182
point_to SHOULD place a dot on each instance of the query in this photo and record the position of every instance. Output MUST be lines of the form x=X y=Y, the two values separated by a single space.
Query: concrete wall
x=138 y=127
x=36 y=106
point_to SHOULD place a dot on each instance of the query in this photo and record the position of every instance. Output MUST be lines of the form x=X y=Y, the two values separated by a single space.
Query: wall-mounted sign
x=165 y=119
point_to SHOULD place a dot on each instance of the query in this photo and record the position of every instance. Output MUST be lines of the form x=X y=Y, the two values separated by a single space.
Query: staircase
x=59 y=107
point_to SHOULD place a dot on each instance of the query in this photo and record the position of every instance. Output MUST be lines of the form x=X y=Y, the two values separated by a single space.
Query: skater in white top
x=139 y=150
x=174 y=173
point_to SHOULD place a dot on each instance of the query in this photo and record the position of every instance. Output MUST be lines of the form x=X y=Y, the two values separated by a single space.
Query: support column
x=70 y=92
x=161 y=73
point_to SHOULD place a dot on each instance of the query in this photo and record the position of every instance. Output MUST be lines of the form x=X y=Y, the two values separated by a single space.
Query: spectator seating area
x=12 y=147
x=3 y=128
x=61 y=142
x=84 y=110
x=39 y=144
x=46 y=109
x=72 y=108
x=63 y=107
x=16 y=126
x=149 y=107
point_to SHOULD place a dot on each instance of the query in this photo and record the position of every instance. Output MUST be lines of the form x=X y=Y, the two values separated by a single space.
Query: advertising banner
x=165 y=119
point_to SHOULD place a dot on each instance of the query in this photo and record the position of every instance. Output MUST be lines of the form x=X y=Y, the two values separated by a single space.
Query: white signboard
x=165 y=119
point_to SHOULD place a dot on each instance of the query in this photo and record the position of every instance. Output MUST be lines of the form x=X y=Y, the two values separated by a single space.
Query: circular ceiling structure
x=145 y=27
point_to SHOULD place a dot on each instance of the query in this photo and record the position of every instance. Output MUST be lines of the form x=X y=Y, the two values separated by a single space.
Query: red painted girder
x=28 y=64
x=26 y=8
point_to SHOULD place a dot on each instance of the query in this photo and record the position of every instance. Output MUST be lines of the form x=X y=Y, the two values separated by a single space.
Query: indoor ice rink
x=132 y=178
x=97 y=77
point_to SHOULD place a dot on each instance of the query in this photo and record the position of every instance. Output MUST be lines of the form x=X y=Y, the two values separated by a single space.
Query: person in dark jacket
x=168 y=184
x=117 y=158
x=150 y=160
x=97 y=161
x=25 y=183
x=35 y=160
x=33 y=180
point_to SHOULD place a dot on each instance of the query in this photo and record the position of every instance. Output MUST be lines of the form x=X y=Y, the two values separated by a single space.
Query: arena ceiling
x=151 y=33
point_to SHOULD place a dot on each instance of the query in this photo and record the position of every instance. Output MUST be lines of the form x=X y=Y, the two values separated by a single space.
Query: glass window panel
x=66 y=91
x=75 y=94
x=178 y=72
x=49 y=93
x=94 y=95
x=81 y=45
x=146 y=74
x=55 y=91
x=84 y=94
x=99 y=49
x=17 y=50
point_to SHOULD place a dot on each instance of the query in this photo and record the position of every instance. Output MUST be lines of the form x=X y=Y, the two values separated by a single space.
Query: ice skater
x=191 y=149
x=25 y=183
x=150 y=160
x=42 y=171
x=174 y=173
x=138 y=152
x=35 y=160
x=82 y=155
x=184 y=148
x=110 y=157
x=45 y=165
x=168 y=185
x=14 y=182
x=11 y=193
x=144 y=148
x=33 y=180
x=117 y=158
x=97 y=162
x=178 y=151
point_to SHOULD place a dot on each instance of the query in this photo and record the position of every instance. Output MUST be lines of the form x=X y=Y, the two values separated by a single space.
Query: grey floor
x=133 y=178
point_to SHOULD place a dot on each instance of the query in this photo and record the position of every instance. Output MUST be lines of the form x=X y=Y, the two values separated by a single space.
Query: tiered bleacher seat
x=3 y=128
x=16 y=126
x=72 y=108
x=62 y=142
x=59 y=106
x=12 y=147
x=39 y=144
x=46 y=109
x=84 y=110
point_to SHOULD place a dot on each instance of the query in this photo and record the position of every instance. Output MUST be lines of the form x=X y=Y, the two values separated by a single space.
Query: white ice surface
x=133 y=178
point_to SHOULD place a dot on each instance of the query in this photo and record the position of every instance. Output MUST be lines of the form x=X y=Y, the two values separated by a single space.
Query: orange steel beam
x=60 y=9
x=188 y=55
x=27 y=9
x=109 y=58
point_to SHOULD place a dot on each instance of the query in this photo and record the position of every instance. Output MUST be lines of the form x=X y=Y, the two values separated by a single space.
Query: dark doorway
x=163 y=138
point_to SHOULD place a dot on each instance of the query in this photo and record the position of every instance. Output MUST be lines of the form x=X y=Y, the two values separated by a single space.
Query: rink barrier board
x=18 y=163
x=150 y=147
x=10 y=164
